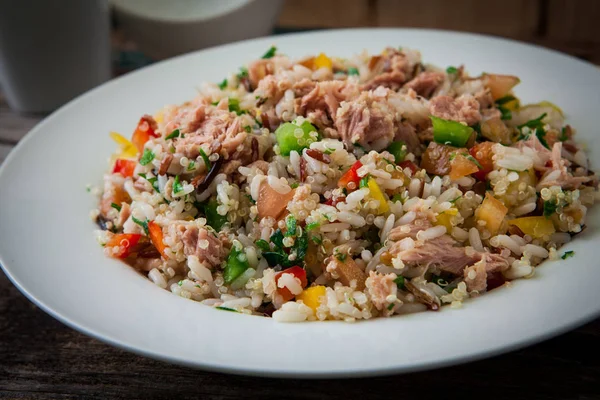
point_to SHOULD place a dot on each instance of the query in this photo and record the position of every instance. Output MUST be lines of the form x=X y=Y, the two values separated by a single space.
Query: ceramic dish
x=49 y=252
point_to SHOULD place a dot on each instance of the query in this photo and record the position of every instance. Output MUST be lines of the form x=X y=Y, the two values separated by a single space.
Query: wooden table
x=40 y=358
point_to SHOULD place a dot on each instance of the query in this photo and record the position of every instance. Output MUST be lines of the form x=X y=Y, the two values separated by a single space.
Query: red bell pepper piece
x=410 y=165
x=156 y=236
x=299 y=273
x=124 y=167
x=146 y=129
x=124 y=242
x=351 y=176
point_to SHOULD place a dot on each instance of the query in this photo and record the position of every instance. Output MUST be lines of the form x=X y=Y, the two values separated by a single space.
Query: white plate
x=49 y=252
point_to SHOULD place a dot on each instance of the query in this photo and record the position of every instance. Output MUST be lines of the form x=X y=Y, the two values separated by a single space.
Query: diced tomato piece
x=124 y=242
x=351 y=176
x=124 y=167
x=156 y=236
x=410 y=165
x=299 y=273
x=460 y=167
x=483 y=153
x=143 y=132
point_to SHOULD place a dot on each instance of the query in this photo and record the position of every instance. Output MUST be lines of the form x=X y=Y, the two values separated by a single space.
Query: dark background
x=42 y=359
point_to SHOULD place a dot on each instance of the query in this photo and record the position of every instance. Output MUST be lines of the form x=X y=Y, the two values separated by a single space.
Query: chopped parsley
x=341 y=256
x=223 y=84
x=568 y=254
x=234 y=106
x=279 y=256
x=317 y=239
x=396 y=198
x=390 y=307
x=353 y=71
x=290 y=224
x=328 y=150
x=399 y=281
x=270 y=53
x=263 y=245
x=115 y=206
x=248 y=128
x=143 y=224
x=506 y=99
x=294 y=185
x=451 y=70
x=454 y=200
x=207 y=163
x=153 y=181
x=177 y=186
x=311 y=226
x=505 y=112
x=549 y=208
x=191 y=166
x=563 y=134
x=147 y=157
x=538 y=126
x=174 y=134
x=226 y=309
x=180 y=283
x=243 y=73
x=364 y=182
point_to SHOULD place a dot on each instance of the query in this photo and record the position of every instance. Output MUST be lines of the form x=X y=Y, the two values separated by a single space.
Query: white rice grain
x=475 y=239
x=431 y=233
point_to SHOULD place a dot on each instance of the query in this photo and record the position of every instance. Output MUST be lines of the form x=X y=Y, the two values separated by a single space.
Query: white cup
x=52 y=51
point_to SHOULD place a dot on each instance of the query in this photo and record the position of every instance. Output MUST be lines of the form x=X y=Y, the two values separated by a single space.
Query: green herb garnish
x=353 y=71
x=399 y=281
x=173 y=134
x=563 y=134
x=390 y=307
x=568 y=254
x=226 y=309
x=115 y=206
x=451 y=70
x=290 y=224
x=364 y=182
x=549 y=208
x=223 y=84
x=263 y=245
x=538 y=126
x=294 y=185
x=341 y=256
x=234 y=106
x=270 y=53
x=177 y=186
x=243 y=73
x=191 y=166
x=153 y=181
x=317 y=240
x=207 y=163
x=311 y=226
x=143 y=224
x=248 y=128
x=147 y=157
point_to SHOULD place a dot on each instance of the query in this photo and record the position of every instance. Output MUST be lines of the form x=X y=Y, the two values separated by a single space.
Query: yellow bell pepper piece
x=492 y=211
x=128 y=149
x=445 y=217
x=534 y=226
x=312 y=296
x=322 y=61
x=377 y=194
x=159 y=117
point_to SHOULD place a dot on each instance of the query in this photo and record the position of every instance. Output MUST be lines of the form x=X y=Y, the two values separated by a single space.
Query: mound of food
x=341 y=189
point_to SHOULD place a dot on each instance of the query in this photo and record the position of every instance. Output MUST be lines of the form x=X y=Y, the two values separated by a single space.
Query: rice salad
x=329 y=188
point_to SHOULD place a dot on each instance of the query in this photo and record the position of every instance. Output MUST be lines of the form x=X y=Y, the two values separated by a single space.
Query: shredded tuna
x=426 y=83
x=380 y=287
x=462 y=109
x=476 y=276
x=201 y=243
x=391 y=70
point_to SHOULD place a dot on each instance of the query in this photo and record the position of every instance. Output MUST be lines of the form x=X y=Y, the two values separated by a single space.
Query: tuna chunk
x=426 y=83
x=271 y=89
x=214 y=128
x=446 y=254
x=409 y=230
x=558 y=174
x=325 y=96
x=201 y=243
x=390 y=70
x=379 y=287
x=365 y=122
x=476 y=277
x=462 y=109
